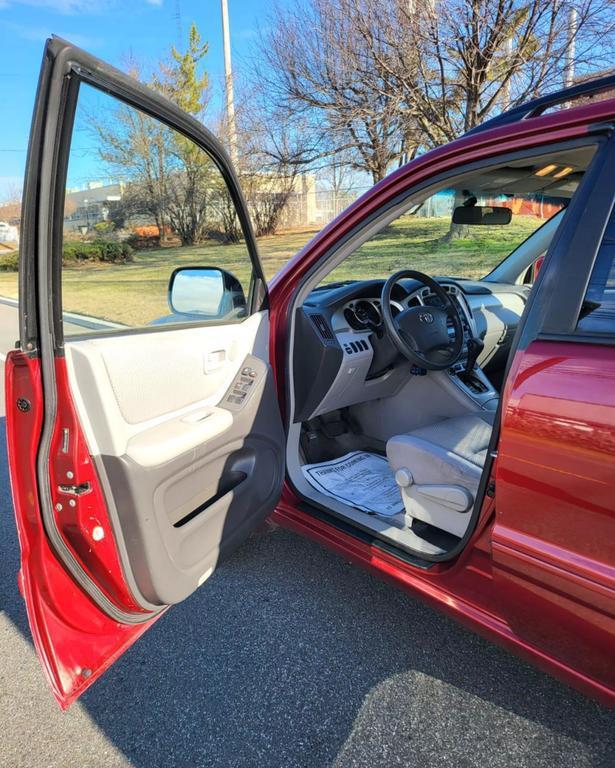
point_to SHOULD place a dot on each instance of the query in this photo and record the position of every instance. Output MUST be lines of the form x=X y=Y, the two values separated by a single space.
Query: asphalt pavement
x=9 y=332
x=289 y=656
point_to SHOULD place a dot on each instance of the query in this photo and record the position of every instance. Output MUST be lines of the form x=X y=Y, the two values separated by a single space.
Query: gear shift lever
x=475 y=347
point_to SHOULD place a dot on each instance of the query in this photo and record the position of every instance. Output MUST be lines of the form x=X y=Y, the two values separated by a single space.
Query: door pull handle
x=214 y=360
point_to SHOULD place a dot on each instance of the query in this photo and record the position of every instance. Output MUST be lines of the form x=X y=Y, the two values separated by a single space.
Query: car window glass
x=475 y=222
x=598 y=313
x=143 y=201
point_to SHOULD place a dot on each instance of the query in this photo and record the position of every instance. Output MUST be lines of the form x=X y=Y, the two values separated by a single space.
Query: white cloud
x=63 y=6
x=70 y=7
x=39 y=34
x=245 y=34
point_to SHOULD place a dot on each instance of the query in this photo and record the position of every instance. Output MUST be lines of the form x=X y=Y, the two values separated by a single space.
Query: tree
x=169 y=177
x=480 y=56
x=136 y=146
x=180 y=80
x=10 y=203
x=317 y=63
x=383 y=80
x=269 y=161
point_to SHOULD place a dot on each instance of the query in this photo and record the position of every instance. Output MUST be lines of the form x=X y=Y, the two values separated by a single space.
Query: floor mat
x=362 y=480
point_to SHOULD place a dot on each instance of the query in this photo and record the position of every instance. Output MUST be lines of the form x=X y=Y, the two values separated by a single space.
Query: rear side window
x=598 y=314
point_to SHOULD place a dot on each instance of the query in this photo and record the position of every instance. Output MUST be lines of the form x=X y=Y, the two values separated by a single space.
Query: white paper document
x=362 y=480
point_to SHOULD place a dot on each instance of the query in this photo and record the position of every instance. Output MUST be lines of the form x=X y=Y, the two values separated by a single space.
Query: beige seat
x=438 y=469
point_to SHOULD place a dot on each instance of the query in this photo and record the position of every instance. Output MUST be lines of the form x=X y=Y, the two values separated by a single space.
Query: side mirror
x=206 y=292
x=482 y=214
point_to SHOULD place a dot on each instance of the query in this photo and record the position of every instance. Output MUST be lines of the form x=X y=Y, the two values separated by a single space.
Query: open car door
x=145 y=442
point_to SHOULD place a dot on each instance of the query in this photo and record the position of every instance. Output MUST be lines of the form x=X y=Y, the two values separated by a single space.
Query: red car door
x=554 y=535
x=142 y=455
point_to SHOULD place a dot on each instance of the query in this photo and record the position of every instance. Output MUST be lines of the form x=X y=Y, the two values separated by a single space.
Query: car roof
x=584 y=91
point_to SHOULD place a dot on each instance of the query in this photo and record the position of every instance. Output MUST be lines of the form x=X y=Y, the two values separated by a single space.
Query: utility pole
x=571 y=34
x=228 y=82
x=508 y=48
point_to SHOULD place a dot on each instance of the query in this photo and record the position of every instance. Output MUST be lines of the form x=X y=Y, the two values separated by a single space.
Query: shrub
x=144 y=237
x=98 y=250
x=9 y=262
x=107 y=251
x=104 y=227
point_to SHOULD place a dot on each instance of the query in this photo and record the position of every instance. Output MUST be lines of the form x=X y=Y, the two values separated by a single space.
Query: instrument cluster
x=366 y=314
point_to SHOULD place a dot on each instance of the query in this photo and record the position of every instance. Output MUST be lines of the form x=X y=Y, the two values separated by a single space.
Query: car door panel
x=144 y=390
x=182 y=462
x=126 y=385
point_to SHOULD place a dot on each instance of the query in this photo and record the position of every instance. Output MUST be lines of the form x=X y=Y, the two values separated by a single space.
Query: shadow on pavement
x=291 y=657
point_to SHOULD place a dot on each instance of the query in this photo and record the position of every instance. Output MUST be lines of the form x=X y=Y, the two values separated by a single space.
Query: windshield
x=466 y=229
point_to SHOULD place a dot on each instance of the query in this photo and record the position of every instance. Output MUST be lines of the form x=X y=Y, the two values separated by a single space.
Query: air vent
x=322 y=327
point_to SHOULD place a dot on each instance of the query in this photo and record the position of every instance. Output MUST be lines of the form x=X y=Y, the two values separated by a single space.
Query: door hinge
x=491 y=489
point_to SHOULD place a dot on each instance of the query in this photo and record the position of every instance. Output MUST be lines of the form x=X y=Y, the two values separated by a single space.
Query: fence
x=317 y=208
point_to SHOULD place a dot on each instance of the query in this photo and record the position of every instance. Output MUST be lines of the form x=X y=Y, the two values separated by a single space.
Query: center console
x=474 y=384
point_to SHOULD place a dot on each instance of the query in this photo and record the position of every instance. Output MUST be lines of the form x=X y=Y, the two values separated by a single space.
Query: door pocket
x=228 y=482
x=207 y=491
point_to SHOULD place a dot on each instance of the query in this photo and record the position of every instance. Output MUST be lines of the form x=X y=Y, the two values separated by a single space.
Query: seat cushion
x=452 y=451
x=466 y=436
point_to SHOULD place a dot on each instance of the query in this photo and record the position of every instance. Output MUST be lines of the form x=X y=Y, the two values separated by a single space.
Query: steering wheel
x=421 y=333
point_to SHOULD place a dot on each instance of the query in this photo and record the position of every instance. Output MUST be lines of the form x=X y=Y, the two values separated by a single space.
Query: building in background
x=83 y=208
x=9 y=234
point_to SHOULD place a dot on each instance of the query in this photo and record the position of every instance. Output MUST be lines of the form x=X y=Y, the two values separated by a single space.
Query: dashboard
x=344 y=356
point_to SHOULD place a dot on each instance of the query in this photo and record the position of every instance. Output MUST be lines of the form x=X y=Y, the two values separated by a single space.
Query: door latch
x=75 y=490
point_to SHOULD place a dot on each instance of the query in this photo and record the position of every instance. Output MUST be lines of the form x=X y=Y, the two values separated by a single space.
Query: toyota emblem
x=426 y=317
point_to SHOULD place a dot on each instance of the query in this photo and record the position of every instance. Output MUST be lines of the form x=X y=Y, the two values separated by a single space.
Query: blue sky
x=111 y=30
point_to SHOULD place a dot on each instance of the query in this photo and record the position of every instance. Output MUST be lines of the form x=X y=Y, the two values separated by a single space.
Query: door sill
x=364 y=534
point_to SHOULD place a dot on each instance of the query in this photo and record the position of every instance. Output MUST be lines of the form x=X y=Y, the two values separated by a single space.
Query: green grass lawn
x=415 y=243
x=136 y=293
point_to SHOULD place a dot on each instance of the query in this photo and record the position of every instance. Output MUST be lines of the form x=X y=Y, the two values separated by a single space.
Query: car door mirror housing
x=482 y=214
x=209 y=293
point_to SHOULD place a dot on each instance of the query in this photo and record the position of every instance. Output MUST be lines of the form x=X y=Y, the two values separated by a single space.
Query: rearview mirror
x=482 y=214
x=206 y=292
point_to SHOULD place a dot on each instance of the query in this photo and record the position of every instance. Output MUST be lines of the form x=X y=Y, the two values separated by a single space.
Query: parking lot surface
x=290 y=656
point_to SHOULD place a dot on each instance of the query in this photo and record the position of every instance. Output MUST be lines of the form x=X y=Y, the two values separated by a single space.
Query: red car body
x=537 y=575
